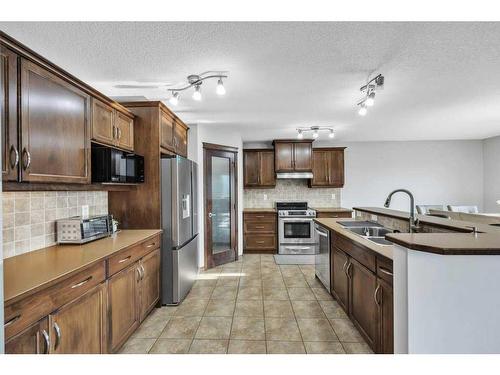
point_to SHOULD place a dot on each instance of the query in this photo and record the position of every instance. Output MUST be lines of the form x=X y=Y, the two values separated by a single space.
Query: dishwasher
x=322 y=256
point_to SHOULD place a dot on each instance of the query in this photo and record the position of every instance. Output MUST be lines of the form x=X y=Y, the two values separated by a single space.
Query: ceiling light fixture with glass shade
x=196 y=80
x=315 y=130
x=369 y=91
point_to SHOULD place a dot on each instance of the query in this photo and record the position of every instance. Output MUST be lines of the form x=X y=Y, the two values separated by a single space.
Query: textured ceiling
x=442 y=79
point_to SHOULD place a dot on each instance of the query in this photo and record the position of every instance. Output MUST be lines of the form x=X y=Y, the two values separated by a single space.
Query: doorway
x=221 y=204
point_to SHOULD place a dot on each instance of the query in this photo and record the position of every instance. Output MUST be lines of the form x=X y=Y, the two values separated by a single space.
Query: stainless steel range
x=295 y=228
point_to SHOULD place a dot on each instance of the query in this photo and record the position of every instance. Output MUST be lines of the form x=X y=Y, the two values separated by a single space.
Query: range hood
x=294 y=175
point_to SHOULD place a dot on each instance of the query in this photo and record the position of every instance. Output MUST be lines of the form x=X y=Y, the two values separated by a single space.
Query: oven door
x=296 y=231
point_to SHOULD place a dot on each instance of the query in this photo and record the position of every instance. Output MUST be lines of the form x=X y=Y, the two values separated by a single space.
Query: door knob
x=211 y=214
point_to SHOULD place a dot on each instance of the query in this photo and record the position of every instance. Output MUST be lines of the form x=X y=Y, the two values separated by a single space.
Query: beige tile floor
x=251 y=306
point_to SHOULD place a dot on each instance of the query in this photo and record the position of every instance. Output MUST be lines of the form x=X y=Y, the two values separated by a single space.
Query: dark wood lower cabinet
x=366 y=295
x=123 y=293
x=33 y=340
x=362 y=306
x=340 y=281
x=150 y=283
x=80 y=326
x=384 y=297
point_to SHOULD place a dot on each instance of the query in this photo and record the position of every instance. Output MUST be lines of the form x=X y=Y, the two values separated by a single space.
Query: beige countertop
x=26 y=273
x=333 y=224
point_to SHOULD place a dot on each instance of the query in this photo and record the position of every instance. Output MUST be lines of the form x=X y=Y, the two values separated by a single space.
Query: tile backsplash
x=29 y=217
x=291 y=190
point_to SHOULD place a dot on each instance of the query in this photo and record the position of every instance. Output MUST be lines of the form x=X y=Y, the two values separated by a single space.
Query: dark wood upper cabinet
x=124 y=131
x=328 y=167
x=166 y=131
x=8 y=114
x=180 y=138
x=293 y=155
x=258 y=168
x=55 y=128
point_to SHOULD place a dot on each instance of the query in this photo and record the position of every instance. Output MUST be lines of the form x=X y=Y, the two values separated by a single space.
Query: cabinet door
x=55 y=128
x=124 y=131
x=320 y=168
x=336 y=168
x=80 y=326
x=251 y=164
x=166 y=131
x=8 y=114
x=340 y=282
x=180 y=139
x=150 y=282
x=102 y=122
x=123 y=297
x=302 y=157
x=362 y=305
x=33 y=340
x=384 y=297
x=267 y=174
x=283 y=157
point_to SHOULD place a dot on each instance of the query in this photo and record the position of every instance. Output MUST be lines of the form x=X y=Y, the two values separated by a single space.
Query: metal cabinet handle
x=114 y=132
x=125 y=259
x=82 y=282
x=343 y=267
x=151 y=245
x=26 y=154
x=46 y=341
x=385 y=270
x=259 y=227
x=348 y=270
x=12 y=321
x=119 y=133
x=138 y=274
x=375 y=295
x=14 y=163
x=259 y=241
x=58 y=335
x=143 y=271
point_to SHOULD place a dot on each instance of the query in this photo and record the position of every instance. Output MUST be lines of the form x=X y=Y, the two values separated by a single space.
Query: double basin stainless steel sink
x=371 y=231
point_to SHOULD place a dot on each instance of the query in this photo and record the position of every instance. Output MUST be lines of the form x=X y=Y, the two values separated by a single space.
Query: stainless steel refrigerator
x=179 y=191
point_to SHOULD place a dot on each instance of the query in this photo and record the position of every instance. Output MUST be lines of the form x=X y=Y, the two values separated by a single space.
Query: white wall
x=222 y=136
x=436 y=172
x=491 y=155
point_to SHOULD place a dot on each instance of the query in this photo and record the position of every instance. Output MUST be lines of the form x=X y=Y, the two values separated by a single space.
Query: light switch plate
x=265 y=197
x=373 y=217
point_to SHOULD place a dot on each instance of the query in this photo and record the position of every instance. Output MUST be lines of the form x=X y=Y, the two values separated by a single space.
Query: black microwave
x=110 y=165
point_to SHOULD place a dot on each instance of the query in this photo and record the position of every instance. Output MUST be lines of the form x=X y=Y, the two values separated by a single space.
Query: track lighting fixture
x=369 y=93
x=196 y=81
x=174 y=100
x=315 y=131
x=197 y=93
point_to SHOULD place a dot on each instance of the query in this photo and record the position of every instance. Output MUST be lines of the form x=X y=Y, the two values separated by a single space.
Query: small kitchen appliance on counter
x=79 y=230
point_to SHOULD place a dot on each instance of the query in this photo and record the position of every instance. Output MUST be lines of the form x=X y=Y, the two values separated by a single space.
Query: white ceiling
x=442 y=79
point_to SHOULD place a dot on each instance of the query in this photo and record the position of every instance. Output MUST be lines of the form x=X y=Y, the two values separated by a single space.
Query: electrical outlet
x=85 y=211
x=333 y=196
x=265 y=197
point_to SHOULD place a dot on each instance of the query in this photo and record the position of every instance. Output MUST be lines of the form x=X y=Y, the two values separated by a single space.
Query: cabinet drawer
x=22 y=314
x=260 y=216
x=260 y=242
x=384 y=269
x=126 y=257
x=257 y=227
x=361 y=254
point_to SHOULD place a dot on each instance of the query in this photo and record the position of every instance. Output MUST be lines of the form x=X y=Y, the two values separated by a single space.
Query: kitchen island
x=445 y=280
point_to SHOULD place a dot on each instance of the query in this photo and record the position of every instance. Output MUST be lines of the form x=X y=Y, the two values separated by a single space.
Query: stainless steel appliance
x=179 y=193
x=322 y=256
x=295 y=228
x=78 y=230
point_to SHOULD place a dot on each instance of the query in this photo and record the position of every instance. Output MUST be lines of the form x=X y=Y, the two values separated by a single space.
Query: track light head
x=300 y=135
x=197 y=93
x=332 y=134
x=370 y=100
x=315 y=133
x=174 y=100
x=220 y=90
x=380 y=81
x=362 y=110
